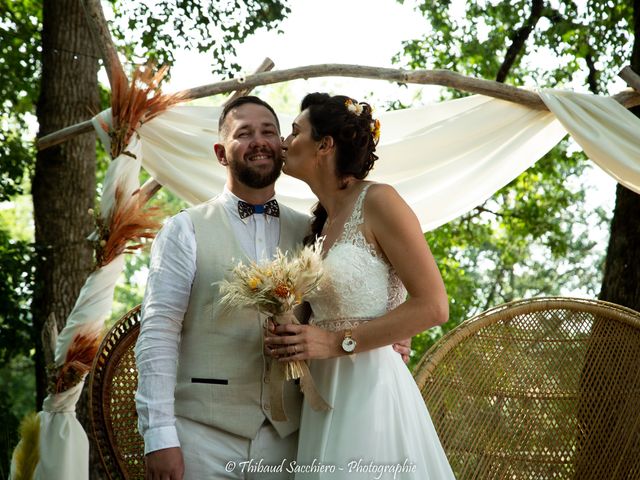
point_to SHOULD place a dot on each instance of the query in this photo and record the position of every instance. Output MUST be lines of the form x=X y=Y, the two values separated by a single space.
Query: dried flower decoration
x=375 y=130
x=122 y=232
x=78 y=360
x=274 y=288
x=135 y=103
x=354 y=107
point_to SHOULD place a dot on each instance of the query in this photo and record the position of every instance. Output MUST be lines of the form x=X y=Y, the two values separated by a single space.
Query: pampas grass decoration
x=27 y=453
x=135 y=103
x=78 y=360
x=127 y=225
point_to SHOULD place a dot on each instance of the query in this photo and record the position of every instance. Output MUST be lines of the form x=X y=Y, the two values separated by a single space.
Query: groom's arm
x=171 y=272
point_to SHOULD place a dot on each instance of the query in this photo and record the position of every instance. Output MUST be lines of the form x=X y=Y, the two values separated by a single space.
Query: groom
x=203 y=397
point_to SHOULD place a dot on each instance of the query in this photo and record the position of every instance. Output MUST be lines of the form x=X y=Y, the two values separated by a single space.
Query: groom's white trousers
x=210 y=453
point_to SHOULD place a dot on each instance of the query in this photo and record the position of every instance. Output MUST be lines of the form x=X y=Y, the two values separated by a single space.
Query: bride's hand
x=303 y=342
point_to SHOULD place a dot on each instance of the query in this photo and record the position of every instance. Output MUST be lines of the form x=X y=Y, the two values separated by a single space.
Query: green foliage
x=20 y=25
x=19 y=70
x=17 y=384
x=215 y=28
x=532 y=237
x=576 y=34
x=16 y=285
x=17 y=374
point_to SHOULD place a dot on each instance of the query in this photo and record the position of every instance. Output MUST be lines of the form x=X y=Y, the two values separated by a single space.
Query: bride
x=374 y=248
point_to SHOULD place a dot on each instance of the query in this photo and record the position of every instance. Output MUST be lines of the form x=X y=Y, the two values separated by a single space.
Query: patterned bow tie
x=270 y=208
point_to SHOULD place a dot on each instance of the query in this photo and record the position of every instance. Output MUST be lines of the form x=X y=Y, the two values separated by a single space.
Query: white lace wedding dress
x=378 y=417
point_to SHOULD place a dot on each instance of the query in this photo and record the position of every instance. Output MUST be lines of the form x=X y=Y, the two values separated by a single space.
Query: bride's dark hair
x=353 y=130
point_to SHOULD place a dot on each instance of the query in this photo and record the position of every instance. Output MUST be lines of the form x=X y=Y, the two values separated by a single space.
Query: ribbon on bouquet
x=281 y=372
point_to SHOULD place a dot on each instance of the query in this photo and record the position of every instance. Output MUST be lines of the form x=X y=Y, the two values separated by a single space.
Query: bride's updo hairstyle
x=355 y=135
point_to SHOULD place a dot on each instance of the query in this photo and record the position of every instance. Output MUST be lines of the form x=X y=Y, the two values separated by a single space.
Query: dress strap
x=356 y=219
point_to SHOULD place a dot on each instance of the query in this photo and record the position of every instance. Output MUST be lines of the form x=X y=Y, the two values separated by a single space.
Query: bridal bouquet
x=274 y=288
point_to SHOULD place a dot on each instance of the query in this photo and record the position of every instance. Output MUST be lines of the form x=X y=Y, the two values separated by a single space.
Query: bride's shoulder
x=383 y=202
x=381 y=193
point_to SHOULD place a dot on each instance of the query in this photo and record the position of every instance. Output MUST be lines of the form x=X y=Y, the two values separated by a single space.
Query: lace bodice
x=358 y=283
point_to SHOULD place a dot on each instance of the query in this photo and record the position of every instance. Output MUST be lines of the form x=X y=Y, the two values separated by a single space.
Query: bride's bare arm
x=393 y=227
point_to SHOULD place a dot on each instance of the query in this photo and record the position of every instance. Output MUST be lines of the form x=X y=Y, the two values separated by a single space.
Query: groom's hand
x=404 y=349
x=165 y=464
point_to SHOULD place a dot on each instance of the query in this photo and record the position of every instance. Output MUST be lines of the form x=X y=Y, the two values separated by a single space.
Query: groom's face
x=251 y=145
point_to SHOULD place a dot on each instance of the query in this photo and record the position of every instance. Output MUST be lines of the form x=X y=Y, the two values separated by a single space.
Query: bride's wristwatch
x=348 y=343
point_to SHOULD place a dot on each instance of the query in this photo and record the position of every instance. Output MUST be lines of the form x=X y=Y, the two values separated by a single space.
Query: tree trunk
x=622 y=267
x=601 y=417
x=63 y=186
x=621 y=283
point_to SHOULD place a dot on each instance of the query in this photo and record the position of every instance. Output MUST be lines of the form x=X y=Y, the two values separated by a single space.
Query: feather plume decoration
x=78 y=360
x=27 y=452
x=135 y=103
x=129 y=222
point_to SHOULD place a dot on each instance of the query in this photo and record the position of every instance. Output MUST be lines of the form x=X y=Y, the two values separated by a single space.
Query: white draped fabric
x=444 y=159
x=64 y=447
x=606 y=131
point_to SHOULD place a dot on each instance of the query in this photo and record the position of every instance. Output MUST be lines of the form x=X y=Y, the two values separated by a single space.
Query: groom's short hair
x=237 y=102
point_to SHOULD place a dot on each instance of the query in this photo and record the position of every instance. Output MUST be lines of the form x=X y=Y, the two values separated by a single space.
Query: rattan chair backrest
x=112 y=387
x=538 y=389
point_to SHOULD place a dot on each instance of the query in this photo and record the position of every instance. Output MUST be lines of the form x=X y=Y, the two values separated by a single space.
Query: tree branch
x=592 y=78
x=443 y=78
x=631 y=77
x=519 y=40
x=100 y=30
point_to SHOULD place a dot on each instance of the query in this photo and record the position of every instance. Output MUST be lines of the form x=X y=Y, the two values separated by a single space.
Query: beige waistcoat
x=221 y=366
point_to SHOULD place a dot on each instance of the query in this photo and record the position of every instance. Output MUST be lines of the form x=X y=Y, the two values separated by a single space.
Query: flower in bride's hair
x=354 y=107
x=375 y=129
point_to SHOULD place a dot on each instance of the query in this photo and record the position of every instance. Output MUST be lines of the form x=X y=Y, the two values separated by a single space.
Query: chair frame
x=432 y=357
x=116 y=343
x=428 y=369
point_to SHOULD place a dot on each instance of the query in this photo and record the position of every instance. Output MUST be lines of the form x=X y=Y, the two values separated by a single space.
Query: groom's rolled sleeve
x=171 y=272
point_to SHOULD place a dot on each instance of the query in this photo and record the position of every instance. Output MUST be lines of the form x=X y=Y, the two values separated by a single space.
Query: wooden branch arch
x=264 y=76
x=445 y=78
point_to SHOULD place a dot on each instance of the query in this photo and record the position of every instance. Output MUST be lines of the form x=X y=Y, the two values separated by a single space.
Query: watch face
x=348 y=345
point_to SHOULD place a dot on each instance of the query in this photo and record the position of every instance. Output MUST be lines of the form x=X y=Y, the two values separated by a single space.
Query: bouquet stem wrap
x=281 y=372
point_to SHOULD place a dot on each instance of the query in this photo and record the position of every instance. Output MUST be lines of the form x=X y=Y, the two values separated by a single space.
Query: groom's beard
x=256 y=178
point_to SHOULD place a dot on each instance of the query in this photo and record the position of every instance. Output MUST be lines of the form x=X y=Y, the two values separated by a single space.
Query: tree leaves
x=532 y=237
x=209 y=27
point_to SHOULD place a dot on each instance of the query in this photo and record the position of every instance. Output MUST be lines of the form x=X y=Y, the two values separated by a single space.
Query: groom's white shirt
x=171 y=273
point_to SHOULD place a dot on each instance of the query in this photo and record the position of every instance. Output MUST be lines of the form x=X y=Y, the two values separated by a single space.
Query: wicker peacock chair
x=538 y=389
x=112 y=388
